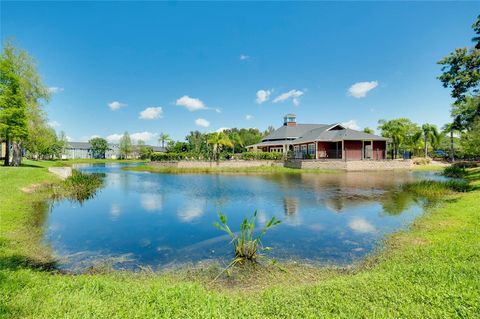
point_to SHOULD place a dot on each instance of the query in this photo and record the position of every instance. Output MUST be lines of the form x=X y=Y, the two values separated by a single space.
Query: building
x=75 y=150
x=322 y=142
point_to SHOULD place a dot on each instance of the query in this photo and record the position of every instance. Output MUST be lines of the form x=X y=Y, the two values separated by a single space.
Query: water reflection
x=151 y=202
x=157 y=219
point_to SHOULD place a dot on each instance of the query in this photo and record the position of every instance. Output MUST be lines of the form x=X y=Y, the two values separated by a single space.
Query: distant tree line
x=216 y=145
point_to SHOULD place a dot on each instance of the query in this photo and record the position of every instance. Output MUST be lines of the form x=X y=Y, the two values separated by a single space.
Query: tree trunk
x=7 y=153
x=16 y=153
x=426 y=146
x=452 y=156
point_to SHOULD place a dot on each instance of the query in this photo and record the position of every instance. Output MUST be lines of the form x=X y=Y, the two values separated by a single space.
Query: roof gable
x=292 y=132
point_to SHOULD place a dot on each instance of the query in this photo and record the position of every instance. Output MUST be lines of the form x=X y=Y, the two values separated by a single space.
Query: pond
x=162 y=220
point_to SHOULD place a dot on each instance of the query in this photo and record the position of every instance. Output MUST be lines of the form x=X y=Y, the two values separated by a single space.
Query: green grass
x=429 y=167
x=429 y=271
x=225 y=170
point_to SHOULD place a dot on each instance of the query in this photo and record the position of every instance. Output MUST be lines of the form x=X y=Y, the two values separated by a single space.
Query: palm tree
x=236 y=139
x=218 y=140
x=451 y=128
x=162 y=138
x=394 y=129
x=430 y=134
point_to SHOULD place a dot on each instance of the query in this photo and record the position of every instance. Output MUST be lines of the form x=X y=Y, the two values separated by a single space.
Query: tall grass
x=79 y=186
x=246 y=246
x=455 y=171
x=436 y=189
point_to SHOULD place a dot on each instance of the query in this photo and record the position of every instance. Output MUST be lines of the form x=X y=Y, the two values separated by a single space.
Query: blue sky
x=173 y=67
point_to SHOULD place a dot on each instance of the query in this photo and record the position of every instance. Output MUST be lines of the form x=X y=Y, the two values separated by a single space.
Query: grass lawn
x=429 y=271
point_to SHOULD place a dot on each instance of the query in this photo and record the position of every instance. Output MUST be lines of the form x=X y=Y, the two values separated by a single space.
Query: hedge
x=262 y=156
x=162 y=157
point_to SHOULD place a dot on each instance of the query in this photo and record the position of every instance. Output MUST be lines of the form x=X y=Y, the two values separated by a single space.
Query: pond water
x=160 y=220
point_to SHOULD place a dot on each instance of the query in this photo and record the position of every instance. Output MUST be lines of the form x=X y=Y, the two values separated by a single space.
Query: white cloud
x=115 y=105
x=202 y=122
x=135 y=137
x=244 y=57
x=193 y=210
x=54 y=124
x=218 y=110
x=151 y=113
x=295 y=95
x=55 y=89
x=263 y=96
x=360 y=89
x=114 y=138
x=69 y=139
x=151 y=202
x=115 y=212
x=248 y=117
x=352 y=124
x=143 y=136
x=190 y=103
x=222 y=129
x=361 y=225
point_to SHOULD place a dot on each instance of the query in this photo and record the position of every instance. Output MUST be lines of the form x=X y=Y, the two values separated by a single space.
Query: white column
x=363 y=150
x=316 y=150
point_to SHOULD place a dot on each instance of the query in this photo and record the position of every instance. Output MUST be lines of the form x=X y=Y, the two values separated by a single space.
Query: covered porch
x=341 y=150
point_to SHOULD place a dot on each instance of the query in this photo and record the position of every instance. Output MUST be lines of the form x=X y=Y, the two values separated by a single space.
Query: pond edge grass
x=403 y=250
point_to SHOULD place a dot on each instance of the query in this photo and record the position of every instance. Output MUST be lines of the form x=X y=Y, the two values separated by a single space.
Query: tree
x=470 y=140
x=218 y=140
x=196 y=141
x=163 y=137
x=368 y=130
x=21 y=91
x=99 y=147
x=461 y=73
x=144 y=151
x=393 y=129
x=466 y=111
x=430 y=134
x=236 y=139
x=125 y=146
x=450 y=129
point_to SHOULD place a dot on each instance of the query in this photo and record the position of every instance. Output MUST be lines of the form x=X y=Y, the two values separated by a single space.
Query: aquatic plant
x=246 y=246
x=79 y=186
x=455 y=171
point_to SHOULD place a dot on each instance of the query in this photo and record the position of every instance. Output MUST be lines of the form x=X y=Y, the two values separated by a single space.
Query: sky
x=175 y=67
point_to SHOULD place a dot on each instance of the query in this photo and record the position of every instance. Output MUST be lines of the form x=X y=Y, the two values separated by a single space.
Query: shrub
x=245 y=245
x=455 y=171
x=421 y=161
x=465 y=164
x=273 y=156
x=172 y=156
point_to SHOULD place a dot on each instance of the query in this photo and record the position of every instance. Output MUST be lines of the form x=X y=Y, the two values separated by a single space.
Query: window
x=276 y=149
x=311 y=149
x=304 y=149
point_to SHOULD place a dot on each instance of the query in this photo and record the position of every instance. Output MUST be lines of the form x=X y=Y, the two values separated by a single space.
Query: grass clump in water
x=246 y=246
x=455 y=171
x=79 y=186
